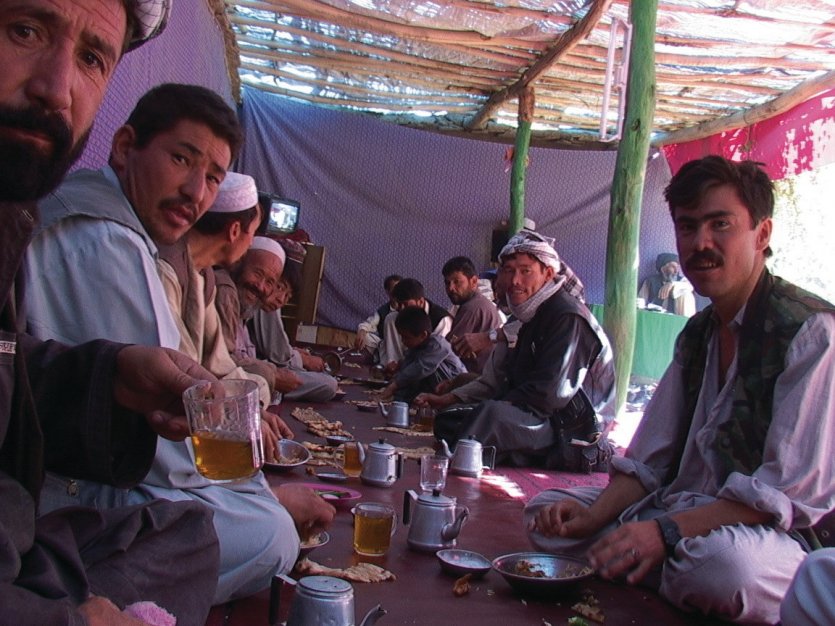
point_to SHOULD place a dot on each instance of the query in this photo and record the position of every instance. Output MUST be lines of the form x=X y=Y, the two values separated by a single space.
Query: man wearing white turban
x=555 y=385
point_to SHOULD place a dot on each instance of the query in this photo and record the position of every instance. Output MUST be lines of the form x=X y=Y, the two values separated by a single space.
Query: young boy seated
x=429 y=358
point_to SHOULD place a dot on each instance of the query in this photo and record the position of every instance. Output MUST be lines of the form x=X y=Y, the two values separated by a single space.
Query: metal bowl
x=337 y=440
x=290 y=454
x=560 y=572
x=460 y=562
x=318 y=541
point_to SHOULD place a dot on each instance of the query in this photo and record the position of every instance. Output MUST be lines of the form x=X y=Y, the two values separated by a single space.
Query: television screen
x=283 y=216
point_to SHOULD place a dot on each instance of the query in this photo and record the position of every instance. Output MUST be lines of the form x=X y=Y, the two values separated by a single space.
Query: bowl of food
x=460 y=562
x=306 y=546
x=289 y=454
x=537 y=573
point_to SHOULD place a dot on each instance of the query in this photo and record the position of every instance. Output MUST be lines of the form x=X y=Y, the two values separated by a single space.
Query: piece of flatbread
x=307 y=414
x=359 y=573
x=461 y=587
x=405 y=431
x=415 y=453
x=594 y=613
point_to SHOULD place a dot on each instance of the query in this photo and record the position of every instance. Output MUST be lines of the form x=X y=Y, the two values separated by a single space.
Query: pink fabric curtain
x=800 y=139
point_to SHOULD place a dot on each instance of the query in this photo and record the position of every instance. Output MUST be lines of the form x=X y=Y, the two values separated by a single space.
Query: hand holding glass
x=224 y=419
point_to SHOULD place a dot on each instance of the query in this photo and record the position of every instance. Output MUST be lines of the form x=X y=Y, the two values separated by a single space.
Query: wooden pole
x=627 y=189
x=520 y=160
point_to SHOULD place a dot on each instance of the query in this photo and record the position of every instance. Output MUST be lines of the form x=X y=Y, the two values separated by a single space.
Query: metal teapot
x=319 y=601
x=382 y=465
x=468 y=459
x=396 y=415
x=435 y=522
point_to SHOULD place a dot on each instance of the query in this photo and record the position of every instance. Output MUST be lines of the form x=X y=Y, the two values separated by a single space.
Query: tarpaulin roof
x=444 y=64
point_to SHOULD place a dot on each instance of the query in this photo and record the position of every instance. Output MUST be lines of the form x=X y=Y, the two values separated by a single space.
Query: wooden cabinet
x=302 y=308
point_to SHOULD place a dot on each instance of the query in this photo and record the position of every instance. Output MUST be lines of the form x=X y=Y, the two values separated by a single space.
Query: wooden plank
x=565 y=43
x=627 y=191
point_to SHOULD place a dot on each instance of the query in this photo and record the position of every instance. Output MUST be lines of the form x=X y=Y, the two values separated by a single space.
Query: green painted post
x=627 y=190
x=520 y=161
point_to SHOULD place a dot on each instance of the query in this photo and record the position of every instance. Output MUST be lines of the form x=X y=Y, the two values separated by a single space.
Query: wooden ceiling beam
x=774 y=107
x=564 y=43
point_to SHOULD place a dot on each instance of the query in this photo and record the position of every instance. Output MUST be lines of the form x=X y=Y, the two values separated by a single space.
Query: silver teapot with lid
x=319 y=601
x=382 y=465
x=469 y=457
x=435 y=522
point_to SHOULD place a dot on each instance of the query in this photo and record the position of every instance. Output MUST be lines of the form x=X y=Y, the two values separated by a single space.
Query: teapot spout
x=452 y=530
x=383 y=409
x=444 y=451
x=373 y=615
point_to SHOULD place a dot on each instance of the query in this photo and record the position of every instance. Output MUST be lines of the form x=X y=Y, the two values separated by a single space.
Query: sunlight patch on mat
x=510 y=487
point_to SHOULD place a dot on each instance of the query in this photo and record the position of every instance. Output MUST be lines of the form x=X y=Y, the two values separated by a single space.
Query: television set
x=282 y=217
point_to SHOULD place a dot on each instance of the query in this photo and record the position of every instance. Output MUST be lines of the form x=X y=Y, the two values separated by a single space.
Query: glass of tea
x=374 y=524
x=224 y=420
x=352 y=458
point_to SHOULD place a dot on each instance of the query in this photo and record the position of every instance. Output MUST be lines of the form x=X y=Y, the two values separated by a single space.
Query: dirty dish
x=337 y=440
x=337 y=496
x=316 y=541
x=537 y=573
x=332 y=477
x=459 y=562
x=289 y=454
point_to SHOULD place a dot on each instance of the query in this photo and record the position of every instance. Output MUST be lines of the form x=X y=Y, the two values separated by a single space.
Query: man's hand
x=286 y=380
x=566 y=518
x=632 y=550
x=391 y=368
x=311 y=362
x=387 y=392
x=435 y=401
x=359 y=340
x=152 y=381
x=471 y=344
x=99 y=611
x=309 y=511
x=273 y=428
x=665 y=291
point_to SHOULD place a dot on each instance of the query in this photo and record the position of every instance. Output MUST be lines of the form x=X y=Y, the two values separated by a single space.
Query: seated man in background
x=92 y=272
x=474 y=313
x=555 y=385
x=429 y=358
x=370 y=332
x=273 y=344
x=241 y=291
x=668 y=290
x=409 y=292
x=734 y=453
x=220 y=237
x=80 y=409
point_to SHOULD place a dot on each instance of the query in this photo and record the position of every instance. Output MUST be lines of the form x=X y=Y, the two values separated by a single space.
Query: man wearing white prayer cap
x=97 y=251
x=220 y=237
x=555 y=385
x=272 y=343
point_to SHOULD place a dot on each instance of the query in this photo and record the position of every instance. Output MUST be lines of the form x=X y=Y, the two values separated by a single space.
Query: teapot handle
x=278 y=582
x=398 y=468
x=491 y=455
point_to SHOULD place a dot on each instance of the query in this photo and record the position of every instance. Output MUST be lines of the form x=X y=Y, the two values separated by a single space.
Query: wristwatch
x=493 y=335
x=670 y=533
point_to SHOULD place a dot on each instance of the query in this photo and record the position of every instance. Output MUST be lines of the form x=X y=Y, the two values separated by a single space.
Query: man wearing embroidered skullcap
x=731 y=466
x=271 y=340
x=97 y=250
x=554 y=385
x=668 y=290
x=91 y=410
